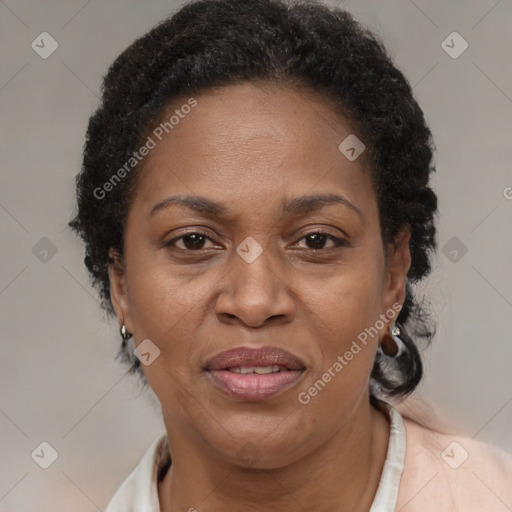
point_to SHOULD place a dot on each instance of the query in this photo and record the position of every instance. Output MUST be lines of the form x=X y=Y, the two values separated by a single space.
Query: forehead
x=255 y=141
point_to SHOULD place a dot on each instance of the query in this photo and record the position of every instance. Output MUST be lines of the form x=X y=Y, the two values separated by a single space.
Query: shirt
x=424 y=470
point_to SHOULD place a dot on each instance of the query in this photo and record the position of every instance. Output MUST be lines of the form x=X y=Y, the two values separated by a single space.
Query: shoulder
x=451 y=472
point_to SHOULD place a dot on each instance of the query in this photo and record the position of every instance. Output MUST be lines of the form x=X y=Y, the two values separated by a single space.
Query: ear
x=118 y=289
x=398 y=264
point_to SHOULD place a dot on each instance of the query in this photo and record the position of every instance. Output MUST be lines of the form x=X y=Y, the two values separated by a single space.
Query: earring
x=125 y=335
x=391 y=344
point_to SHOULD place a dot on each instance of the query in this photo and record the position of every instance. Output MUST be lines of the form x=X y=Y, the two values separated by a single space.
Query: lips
x=254 y=374
x=250 y=357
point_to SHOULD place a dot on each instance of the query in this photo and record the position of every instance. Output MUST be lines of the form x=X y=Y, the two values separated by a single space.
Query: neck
x=342 y=475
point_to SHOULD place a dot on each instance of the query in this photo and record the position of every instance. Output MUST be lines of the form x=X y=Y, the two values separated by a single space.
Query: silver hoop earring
x=125 y=335
x=395 y=334
x=391 y=344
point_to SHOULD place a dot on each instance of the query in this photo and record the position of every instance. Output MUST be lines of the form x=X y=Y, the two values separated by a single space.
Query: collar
x=387 y=492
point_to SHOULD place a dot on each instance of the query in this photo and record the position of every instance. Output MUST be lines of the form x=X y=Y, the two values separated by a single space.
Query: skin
x=251 y=147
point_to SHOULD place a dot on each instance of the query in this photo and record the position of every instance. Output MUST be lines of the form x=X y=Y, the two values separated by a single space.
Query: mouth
x=254 y=374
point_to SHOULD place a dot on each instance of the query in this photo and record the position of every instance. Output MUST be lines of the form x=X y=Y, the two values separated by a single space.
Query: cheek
x=345 y=310
x=164 y=308
x=349 y=300
x=344 y=315
x=161 y=296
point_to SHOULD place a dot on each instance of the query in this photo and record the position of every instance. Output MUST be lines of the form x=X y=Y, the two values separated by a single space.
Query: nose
x=255 y=294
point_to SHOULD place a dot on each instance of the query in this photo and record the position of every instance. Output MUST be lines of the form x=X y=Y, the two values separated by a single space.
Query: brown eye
x=316 y=241
x=194 y=241
x=190 y=242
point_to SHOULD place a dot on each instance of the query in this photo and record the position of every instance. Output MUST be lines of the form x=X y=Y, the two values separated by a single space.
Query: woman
x=255 y=205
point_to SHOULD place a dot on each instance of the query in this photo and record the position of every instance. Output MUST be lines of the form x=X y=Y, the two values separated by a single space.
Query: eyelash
x=340 y=242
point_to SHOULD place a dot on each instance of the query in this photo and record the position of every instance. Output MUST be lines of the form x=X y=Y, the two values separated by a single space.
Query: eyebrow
x=201 y=205
x=309 y=204
x=296 y=206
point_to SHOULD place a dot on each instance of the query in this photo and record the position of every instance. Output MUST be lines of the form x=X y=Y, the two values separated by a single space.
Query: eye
x=192 y=241
x=317 y=240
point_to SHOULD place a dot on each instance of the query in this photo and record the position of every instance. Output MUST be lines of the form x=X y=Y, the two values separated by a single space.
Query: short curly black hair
x=303 y=44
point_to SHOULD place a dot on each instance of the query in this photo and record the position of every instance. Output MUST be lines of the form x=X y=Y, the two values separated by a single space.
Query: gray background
x=58 y=380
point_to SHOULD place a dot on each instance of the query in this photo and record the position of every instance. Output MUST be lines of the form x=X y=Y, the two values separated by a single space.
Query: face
x=274 y=243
